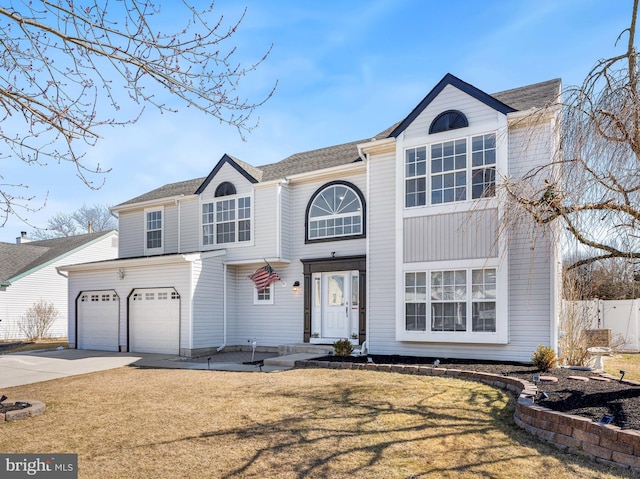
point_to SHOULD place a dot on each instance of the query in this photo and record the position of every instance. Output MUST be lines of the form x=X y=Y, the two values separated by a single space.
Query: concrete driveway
x=17 y=369
x=32 y=367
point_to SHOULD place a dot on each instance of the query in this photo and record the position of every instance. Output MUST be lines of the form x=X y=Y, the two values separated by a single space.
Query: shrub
x=342 y=347
x=544 y=358
x=38 y=319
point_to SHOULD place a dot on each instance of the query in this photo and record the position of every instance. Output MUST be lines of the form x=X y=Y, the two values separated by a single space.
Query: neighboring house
x=391 y=241
x=28 y=274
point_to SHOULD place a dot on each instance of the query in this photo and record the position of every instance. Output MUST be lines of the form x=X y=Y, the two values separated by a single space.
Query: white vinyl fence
x=621 y=317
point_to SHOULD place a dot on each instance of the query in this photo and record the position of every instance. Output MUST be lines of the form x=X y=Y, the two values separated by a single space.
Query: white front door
x=335 y=317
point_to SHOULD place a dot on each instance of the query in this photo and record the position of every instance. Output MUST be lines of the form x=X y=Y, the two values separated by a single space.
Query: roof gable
x=465 y=87
x=240 y=166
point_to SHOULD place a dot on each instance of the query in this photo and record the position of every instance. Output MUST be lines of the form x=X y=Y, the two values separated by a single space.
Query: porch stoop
x=317 y=349
x=290 y=353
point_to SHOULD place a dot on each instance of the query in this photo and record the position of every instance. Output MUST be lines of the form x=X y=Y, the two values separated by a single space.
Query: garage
x=97 y=320
x=154 y=321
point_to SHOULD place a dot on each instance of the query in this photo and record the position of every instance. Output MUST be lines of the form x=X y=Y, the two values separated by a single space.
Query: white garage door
x=154 y=321
x=98 y=313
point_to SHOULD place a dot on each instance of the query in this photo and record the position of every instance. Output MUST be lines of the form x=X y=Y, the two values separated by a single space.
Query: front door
x=335 y=318
x=335 y=300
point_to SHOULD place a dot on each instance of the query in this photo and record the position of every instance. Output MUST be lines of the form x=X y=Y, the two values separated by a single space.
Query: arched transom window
x=335 y=211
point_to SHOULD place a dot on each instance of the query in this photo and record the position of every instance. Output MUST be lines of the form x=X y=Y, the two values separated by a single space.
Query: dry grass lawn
x=37 y=344
x=141 y=423
x=627 y=362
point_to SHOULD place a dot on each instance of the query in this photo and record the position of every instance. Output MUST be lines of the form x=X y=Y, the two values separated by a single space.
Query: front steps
x=290 y=353
x=317 y=349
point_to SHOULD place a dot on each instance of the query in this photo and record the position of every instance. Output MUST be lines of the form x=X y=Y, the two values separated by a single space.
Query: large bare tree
x=65 y=65
x=592 y=187
x=85 y=219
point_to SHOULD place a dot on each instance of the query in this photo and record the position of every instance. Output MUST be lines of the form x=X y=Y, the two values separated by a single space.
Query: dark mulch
x=593 y=399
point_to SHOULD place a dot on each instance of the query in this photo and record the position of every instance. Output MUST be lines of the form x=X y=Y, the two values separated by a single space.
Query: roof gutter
x=376 y=147
x=157 y=202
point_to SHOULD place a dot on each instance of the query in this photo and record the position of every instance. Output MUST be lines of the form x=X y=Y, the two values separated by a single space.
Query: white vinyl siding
x=131 y=234
x=176 y=275
x=208 y=302
x=381 y=255
x=45 y=283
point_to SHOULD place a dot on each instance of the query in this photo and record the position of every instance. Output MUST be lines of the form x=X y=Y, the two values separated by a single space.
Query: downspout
x=278 y=220
x=365 y=345
x=179 y=205
x=224 y=308
x=279 y=217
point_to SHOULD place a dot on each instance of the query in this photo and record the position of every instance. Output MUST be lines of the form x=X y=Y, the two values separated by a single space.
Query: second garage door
x=154 y=321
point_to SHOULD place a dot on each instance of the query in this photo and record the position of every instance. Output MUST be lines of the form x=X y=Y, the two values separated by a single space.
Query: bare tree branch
x=593 y=188
x=64 y=65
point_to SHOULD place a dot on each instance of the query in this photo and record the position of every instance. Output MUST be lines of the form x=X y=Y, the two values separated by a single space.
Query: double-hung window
x=153 y=231
x=455 y=170
x=263 y=296
x=453 y=297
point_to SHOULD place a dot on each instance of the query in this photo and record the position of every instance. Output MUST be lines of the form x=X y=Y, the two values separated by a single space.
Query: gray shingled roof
x=16 y=259
x=522 y=98
x=531 y=96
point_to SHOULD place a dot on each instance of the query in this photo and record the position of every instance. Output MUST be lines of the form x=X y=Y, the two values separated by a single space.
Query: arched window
x=225 y=189
x=336 y=211
x=448 y=120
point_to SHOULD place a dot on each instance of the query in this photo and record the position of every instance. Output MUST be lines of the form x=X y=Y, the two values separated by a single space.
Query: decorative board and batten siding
x=46 y=284
x=452 y=236
x=176 y=276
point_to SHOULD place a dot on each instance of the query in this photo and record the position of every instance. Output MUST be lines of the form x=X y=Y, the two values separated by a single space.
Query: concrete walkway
x=35 y=366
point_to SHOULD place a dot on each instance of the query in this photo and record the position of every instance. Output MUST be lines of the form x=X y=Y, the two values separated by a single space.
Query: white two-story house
x=394 y=242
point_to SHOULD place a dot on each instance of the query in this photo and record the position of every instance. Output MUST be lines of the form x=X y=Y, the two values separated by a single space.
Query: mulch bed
x=592 y=399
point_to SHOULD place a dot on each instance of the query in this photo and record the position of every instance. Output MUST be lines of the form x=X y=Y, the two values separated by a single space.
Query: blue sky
x=346 y=70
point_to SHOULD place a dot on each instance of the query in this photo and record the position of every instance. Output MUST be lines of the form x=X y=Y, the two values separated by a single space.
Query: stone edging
x=603 y=443
x=36 y=408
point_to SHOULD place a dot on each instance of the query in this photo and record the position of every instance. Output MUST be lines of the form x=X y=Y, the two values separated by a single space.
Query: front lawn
x=24 y=346
x=142 y=423
x=629 y=362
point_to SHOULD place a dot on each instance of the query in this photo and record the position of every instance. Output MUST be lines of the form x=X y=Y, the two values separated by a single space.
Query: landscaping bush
x=544 y=358
x=343 y=347
x=38 y=319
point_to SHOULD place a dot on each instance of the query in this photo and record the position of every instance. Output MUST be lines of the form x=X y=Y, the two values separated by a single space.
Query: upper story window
x=153 y=230
x=450 y=171
x=225 y=189
x=336 y=211
x=448 y=120
x=228 y=219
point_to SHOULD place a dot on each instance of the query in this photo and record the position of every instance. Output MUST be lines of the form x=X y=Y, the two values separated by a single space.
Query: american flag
x=264 y=276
